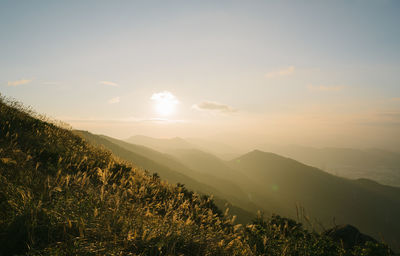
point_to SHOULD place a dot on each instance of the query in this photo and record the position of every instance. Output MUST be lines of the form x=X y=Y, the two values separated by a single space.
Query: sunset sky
x=313 y=73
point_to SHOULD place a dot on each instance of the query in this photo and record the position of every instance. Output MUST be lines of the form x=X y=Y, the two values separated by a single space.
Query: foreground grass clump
x=61 y=196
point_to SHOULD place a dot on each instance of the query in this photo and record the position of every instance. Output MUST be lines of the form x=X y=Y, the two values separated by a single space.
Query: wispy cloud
x=114 y=100
x=109 y=83
x=325 y=88
x=213 y=106
x=164 y=96
x=396 y=99
x=282 y=72
x=19 y=82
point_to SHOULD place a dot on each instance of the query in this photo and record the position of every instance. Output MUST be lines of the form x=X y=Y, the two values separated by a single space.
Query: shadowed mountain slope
x=282 y=185
x=376 y=164
x=175 y=172
x=169 y=145
x=163 y=145
x=372 y=207
x=206 y=163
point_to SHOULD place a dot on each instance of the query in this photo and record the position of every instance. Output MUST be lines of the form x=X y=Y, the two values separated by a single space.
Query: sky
x=315 y=73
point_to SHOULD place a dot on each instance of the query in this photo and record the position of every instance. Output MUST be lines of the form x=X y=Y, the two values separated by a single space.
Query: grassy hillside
x=61 y=196
x=284 y=182
x=146 y=160
x=175 y=172
x=214 y=177
x=279 y=185
x=201 y=166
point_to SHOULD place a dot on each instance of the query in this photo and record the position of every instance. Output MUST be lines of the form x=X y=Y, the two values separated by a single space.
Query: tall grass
x=61 y=196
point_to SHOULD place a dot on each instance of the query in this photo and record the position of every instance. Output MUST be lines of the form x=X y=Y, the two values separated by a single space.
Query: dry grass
x=61 y=196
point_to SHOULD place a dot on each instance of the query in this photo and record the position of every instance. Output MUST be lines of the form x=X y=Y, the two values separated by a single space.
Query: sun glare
x=164 y=103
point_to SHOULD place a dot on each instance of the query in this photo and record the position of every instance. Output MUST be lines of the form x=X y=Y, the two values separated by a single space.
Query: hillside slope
x=175 y=172
x=168 y=145
x=372 y=207
x=146 y=161
x=61 y=196
x=214 y=177
x=163 y=145
x=213 y=166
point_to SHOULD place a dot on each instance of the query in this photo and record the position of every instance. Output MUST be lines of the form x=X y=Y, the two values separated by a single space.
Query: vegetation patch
x=61 y=196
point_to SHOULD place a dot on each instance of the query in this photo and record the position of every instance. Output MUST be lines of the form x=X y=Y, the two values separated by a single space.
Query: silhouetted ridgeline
x=62 y=196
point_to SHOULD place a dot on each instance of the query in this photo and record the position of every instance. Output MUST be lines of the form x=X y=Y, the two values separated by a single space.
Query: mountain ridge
x=61 y=195
x=315 y=188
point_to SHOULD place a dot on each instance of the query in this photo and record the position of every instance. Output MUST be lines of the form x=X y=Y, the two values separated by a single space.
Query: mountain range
x=277 y=184
x=69 y=192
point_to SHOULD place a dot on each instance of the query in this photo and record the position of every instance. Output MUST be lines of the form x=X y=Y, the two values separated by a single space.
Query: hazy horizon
x=320 y=74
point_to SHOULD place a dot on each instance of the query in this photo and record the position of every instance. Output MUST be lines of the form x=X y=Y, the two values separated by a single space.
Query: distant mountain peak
x=261 y=154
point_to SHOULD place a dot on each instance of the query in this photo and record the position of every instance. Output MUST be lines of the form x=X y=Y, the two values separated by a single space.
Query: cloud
x=282 y=72
x=109 y=83
x=114 y=100
x=213 y=106
x=396 y=99
x=325 y=88
x=19 y=82
x=164 y=96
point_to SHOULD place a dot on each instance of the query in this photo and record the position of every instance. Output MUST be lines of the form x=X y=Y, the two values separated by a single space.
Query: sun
x=165 y=108
x=164 y=103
